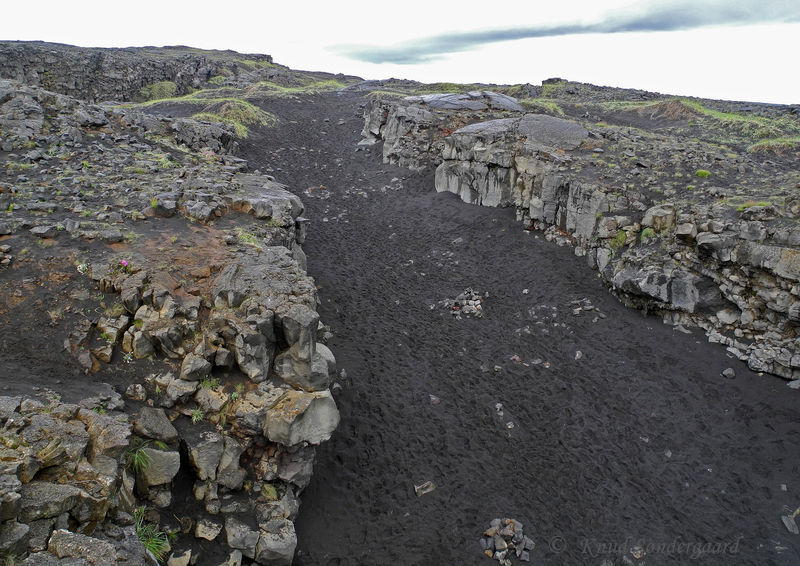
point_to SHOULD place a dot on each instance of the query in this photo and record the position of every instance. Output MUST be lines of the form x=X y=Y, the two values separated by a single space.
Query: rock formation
x=636 y=203
x=200 y=271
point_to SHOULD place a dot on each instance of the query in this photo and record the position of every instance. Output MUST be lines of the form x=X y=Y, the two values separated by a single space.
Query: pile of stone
x=468 y=303
x=504 y=539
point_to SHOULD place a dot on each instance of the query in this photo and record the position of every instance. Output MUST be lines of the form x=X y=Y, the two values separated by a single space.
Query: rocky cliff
x=121 y=74
x=165 y=260
x=677 y=223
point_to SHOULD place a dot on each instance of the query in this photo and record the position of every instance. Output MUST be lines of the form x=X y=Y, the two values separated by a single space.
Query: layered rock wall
x=118 y=74
x=736 y=276
x=223 y=311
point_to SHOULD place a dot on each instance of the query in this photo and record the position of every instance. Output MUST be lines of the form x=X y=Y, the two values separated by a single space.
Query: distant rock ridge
x=732 y=270
x=120 y=74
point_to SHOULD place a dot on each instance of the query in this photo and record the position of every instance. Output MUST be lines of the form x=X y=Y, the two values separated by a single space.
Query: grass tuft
x=162 y=89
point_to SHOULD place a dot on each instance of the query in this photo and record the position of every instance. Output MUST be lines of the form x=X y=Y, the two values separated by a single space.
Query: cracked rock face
x=199 y=270
x=679 y=251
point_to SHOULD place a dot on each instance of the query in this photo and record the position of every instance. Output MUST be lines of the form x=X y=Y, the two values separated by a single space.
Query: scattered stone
x=728 y=373
x=207 y=529
x=423 y=488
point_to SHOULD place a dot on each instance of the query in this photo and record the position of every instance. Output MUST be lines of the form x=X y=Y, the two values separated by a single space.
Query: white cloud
x=732 y=63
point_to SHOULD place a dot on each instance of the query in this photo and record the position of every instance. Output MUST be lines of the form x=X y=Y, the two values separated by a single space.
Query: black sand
x=638 y=442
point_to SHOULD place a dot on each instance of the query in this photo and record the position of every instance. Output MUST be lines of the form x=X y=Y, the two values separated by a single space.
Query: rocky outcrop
x=63 y=474
x=412 y=130
x=221 y=308
x=733 y=271
x=119 y=74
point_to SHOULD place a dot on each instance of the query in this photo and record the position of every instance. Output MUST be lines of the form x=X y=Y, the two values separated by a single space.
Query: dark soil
x=640 y=441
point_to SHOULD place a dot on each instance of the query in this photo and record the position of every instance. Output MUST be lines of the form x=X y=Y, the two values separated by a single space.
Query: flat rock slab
x=475 y=100
x=540 y=130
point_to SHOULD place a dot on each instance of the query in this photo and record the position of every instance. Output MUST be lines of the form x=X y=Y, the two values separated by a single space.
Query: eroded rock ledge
x=687 y=255
x=200 y=273
x=119 y=74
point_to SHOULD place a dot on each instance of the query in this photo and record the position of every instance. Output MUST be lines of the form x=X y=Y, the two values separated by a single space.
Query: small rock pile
x=504 y=539
x=5 y=255
x=468 y=303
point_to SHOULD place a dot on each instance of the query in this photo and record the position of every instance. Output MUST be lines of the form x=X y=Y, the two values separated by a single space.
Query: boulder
x=205 y=452
x=299 y=325
x=241 y=536
x=10 y=498
x=41 y=500
x=276 y=543
x=194 y=368
x=300 y=416
x=297 y=466
x=207 y=529
x=108 y=435
x=13 y=538
x=314 y=376
x=153 y=423
x=229 y=473
x=66 y=544
x=160 y=468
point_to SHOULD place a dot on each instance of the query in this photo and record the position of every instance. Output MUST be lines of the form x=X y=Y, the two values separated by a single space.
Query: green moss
x=216 y=80
x=237 y=113
x=159 y=90
x=269 y=88
x=750 y=204
x=751 y=127
x=618 y=241
x=542 y=105
x=647 y=234
x=776 y=145
x=703 y=173
x=549 y=90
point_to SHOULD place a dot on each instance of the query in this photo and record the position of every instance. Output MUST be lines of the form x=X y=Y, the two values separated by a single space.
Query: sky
x=726 y=49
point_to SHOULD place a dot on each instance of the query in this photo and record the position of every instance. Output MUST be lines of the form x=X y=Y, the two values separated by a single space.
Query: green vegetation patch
x=159 y=90
x=269 y=88
x=750 y=127
x=237 y=113
x=542 y=105
x=552 y=89
x=776 y=145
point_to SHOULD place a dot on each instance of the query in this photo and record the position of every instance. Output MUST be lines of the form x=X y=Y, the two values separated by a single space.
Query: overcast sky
x=729 y=49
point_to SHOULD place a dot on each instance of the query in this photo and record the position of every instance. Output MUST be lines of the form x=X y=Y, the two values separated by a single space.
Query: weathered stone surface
x=207 y=529
x=229 y=473
x=66 y=544
x=162 y=466
x=182 y=559
x=241 y=536
x=205 y=452
x=276 y=543
x=314 y=376
x=153 y=423
x=297 y=466
x=194 y=368
x=299 y=416
x=13 y=538
x=109 y=436
x=10 y=498
x=41 y=500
